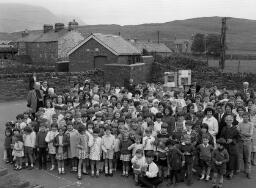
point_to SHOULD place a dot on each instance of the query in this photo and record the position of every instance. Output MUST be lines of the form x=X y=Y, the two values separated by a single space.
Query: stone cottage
x=47 y=46
x=99 y=49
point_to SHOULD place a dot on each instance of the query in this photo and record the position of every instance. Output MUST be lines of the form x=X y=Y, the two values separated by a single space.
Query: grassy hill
x=241 y=34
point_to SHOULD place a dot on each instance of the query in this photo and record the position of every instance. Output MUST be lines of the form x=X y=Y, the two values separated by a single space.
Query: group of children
x=144 y=130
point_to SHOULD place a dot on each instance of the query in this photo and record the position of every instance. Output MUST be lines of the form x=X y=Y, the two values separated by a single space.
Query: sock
x=59 y=170
x=110 y=171
x=62 y=169
x=32 y=165
x=26 y=164
x=106 y=170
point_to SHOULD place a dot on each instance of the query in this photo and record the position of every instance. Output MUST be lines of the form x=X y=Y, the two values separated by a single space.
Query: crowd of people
x=145 y=130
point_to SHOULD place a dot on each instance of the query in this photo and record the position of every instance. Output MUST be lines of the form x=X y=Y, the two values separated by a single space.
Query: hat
x=221 y=141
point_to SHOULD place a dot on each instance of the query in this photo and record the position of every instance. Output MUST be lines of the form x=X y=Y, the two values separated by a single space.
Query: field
x=8 y=111
x=235 y=66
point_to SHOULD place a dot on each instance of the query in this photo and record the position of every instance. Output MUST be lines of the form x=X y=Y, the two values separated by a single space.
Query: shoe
x=92 y=174
x=110 y=174
x=248 y=175
x=97 y=174
x=85 y=173
x=79 y=177
x=127 y=175
x=30 y=168
x=207 y=178
x=106 y=174
x=202 y=177
x=63 y=172
x=123 y=174
x=51 y=169
x=7 y=162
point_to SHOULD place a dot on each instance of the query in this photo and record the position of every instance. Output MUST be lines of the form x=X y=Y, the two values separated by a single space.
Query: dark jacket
x=40 y=139
x=7 y=142
x=231 y=133
x=174 y=159
x=190 y=149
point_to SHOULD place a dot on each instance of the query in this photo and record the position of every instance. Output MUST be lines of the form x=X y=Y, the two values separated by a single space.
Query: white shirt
x=213 y=125
x=152 y=170
x=157 y=126
x=147 y=142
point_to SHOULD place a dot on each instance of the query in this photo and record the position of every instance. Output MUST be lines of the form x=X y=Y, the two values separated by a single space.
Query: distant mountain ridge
x=241 y=34
x=16 y=17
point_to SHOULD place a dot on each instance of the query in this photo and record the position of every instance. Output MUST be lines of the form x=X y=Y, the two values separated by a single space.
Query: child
x=29 y=138
x=138 y=162
x=8 y=145
x=83 y=151
x=72 y=147
x=50 y=140
x=125 y=153
x=219 y=157
x=95 y=152
x=116 y=150
x=137 y=145
x=18 y=151
x=149 y=173
x=158 y=122
x=161 y=158
x=108 y=143
x=188 y=151
x=148 y=141
x=41 y=146
x=175 y=161
x=205 y=154
x=20 y=124
x=61 y=142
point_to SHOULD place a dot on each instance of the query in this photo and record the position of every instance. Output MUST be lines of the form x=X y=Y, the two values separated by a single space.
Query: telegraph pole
x=158 y=36
x=223 y=43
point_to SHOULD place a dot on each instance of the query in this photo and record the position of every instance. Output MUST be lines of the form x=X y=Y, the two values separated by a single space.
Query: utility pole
x=158 y=37
x=223 y=43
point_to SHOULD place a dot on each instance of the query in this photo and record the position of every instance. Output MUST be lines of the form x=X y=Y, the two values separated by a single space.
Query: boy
x=148 y=141
x=205 y=154
x=138 y=162
x=41 y=146
x=188 y=151
x=158 y=123
x=149 y=176
x=219 y=157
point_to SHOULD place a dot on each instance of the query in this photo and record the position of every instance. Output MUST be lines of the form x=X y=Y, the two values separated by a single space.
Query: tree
x=198 y=43
x=213 y=45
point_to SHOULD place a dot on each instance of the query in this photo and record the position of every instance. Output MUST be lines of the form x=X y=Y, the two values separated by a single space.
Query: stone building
x=152 y=48
x=183 y=45
x=98 y=50
x=47 y=46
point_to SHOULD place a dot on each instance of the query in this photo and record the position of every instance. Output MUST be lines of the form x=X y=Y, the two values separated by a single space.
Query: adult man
x=35 y=98
x=245 y=90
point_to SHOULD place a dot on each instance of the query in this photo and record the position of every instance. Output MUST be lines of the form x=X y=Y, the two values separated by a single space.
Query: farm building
x=152 y=48
x=98 y=50
x=182 y=46
x=50 y=44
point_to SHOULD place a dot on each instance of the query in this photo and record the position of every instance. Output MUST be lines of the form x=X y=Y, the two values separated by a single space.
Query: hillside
x=241 y=35
x=17 y=17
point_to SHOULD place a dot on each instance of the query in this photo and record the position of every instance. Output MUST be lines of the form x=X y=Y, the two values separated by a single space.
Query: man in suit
x=219 y=115
x=245 y=90
x=35 y=98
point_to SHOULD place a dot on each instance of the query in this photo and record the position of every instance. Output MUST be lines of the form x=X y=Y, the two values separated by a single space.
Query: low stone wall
x=15 y=86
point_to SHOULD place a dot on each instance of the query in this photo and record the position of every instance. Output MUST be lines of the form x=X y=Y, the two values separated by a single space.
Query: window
x=97 y=49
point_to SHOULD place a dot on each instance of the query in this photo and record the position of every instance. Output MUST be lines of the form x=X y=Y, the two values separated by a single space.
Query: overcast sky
x=125 y=12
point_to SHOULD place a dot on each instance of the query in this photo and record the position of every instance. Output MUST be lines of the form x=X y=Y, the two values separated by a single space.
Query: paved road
x=9 y=110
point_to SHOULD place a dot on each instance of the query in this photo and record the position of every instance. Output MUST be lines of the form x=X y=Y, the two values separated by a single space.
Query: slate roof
x=40 y=36
x=116 y=44
x=152 y=47
x=181 y=41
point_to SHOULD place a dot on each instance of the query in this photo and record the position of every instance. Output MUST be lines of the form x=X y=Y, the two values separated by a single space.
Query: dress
x=95 y=149
x=61 y=152
x=49 y=139
x=73 y=141
x=18 y=150
x=83 y=151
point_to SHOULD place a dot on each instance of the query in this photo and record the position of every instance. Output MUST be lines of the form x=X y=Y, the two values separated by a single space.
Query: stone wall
x=15 y=86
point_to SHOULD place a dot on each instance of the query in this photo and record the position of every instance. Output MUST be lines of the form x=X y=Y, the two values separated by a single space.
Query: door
x=99 y=62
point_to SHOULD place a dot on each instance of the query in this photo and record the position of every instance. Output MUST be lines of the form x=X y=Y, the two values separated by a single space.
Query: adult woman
x=212 y=122
x=35 y=98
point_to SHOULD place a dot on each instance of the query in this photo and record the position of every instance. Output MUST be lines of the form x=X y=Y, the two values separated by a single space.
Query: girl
x=83 y=151
x=72 y=149
x=95 y=152
x=49 y=110
x=18 y=151
x=161 y=158
x=61 y=143
x=125 y=153
x=116 y=150
x=50 y=140
x=108 y=143
x=138 y=162
x=253 y=120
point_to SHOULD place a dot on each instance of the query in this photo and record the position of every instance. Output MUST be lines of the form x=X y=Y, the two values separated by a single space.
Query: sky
x=131 y=12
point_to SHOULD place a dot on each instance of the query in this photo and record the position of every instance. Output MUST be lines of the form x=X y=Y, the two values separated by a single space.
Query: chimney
x=72 y=25
x=47 y=28
x=24 y=33
x=59 y=26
